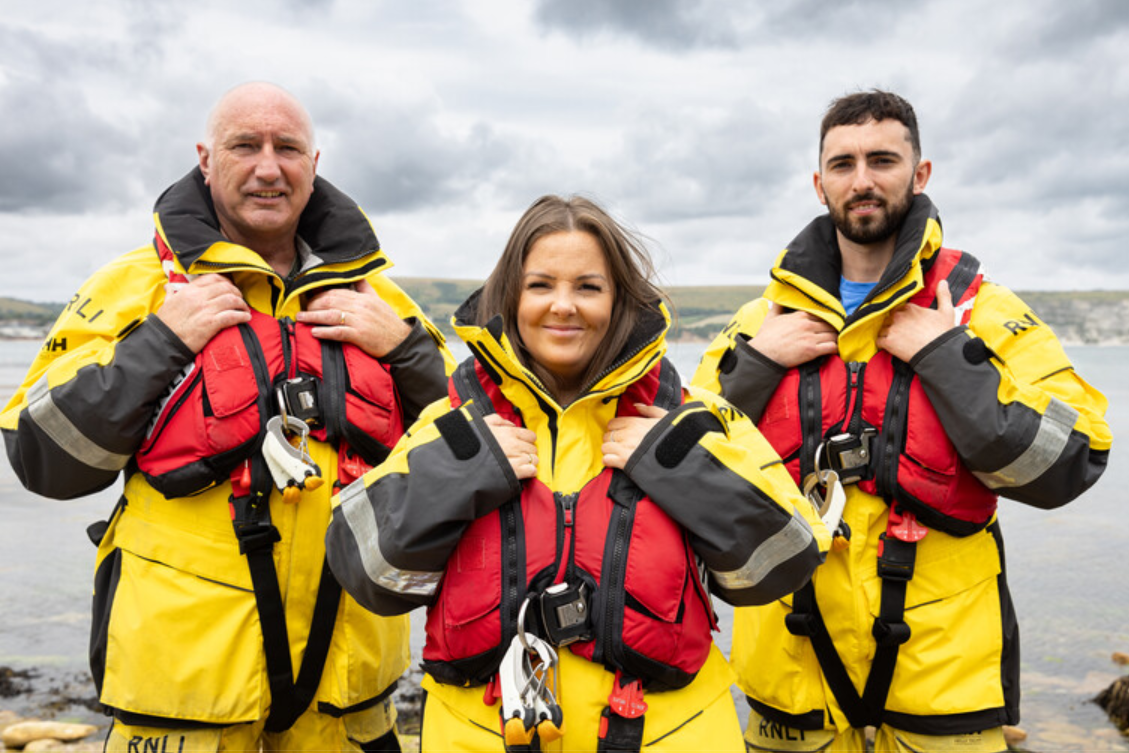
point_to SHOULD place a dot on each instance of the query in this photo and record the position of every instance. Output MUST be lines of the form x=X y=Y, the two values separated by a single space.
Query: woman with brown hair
x=566 y=511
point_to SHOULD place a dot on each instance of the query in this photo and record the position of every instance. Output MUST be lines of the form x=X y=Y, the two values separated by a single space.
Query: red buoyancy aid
x=651 y=615
x=213 y=417
x=881 y=405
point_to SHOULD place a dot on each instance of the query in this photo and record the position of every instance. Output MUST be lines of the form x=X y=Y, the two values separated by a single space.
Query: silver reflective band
x=362 y=522
x=1054 y=432
x=782 y=546
x=47 y=416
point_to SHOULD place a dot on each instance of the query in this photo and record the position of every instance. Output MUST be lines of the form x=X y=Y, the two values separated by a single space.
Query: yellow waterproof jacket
x=176 y=630
x=1020 y=418
x=395 y=529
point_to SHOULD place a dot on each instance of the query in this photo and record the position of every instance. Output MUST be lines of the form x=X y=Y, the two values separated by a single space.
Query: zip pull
x=568 y=506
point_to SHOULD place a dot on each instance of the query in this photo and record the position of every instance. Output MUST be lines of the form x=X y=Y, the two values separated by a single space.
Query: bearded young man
x=888 y=371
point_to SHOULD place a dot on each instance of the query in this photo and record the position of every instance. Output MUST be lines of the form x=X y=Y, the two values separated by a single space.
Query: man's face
x=867 y=179
x=260 y=167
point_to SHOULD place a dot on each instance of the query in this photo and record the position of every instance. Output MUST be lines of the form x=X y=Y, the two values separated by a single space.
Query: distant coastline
x=1077 y=317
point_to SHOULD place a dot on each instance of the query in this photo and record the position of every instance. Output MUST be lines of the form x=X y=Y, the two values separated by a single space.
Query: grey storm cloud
x=692 y=24
x=677 y=166
x=56 y=152
x=680 y=23
x=696 y=119
x=401 y=159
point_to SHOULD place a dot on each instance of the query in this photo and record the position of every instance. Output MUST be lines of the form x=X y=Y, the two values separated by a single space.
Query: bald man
x=237 y=371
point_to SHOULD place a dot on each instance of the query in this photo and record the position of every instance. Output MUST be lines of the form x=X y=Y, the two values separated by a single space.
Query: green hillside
x=701 y=311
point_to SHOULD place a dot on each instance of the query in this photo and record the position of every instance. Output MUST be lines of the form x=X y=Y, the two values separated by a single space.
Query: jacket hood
x=332 y=225
x=493 y=348
x=812 y=263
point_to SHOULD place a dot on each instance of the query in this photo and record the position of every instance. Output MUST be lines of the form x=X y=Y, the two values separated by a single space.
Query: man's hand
x=795 y=338
x=626 y=432
x=911 y=327
x=518 y=444
x=197 y=311
x=358 y=316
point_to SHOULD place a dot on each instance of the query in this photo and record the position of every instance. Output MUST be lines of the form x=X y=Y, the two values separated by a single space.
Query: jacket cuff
x=748 y=378
x=418 y=369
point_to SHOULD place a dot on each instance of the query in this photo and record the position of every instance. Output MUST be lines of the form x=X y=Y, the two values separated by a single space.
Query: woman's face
x=566 y=302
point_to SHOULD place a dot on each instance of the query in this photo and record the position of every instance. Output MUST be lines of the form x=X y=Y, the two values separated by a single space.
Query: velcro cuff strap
x=459 y=435
x=674 y=447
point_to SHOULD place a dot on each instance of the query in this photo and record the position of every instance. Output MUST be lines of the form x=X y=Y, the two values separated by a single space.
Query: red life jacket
x=650 y=611
x=213 y=417
x=881 y=405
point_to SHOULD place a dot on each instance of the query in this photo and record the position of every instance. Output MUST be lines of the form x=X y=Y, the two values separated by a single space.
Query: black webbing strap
x=289 y=699
x=895 y=568
x=622 y=720
x=619 y=734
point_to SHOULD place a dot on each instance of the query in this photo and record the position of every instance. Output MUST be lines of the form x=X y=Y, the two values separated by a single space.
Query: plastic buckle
x=890 y=565
x=565 y=614
x=800 y=624
x=255 y=536
x=848 y=455
x=890 y=633
x=627 y=700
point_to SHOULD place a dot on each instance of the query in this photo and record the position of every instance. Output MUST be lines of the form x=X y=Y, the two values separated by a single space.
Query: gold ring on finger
x=342 y=319
x=532 y=459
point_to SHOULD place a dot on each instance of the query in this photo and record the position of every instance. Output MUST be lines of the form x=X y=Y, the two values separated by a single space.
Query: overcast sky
x=695 y=121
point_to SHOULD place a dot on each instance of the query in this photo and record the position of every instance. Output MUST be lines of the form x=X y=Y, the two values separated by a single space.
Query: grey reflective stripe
x=1054 y=432
x=782 y=546
x=47 y=416
x=362 y=522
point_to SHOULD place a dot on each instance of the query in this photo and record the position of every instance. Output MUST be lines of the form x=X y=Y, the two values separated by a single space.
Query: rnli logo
x=139 y=744
x=1015 y=326
x=773 y=731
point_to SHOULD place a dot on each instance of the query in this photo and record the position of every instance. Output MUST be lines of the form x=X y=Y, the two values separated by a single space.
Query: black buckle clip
x=890 y=633
x=253 y=536
x=848 y=455
x=800 y=624
x=298 y=397
x=895 y=559
x=565 y=613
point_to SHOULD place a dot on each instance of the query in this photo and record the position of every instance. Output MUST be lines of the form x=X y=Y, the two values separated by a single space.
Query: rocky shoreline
x=44 y=710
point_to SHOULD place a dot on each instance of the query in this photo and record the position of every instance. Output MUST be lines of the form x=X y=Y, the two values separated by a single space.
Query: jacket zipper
x=615 y=588
x=811 y=415
x=852 y=420
x=511 y=595
x=289 y=341
x=566 y=503
x=894 y=429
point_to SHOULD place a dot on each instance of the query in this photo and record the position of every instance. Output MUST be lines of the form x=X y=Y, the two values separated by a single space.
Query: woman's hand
x=358 y=316
x=517 y=442
x=626 y=432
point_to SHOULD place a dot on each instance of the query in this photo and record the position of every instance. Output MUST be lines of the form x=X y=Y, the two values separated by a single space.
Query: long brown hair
x=628 y=262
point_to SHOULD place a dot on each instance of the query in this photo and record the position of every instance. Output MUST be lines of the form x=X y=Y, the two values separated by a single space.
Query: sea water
x=1066 y=568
